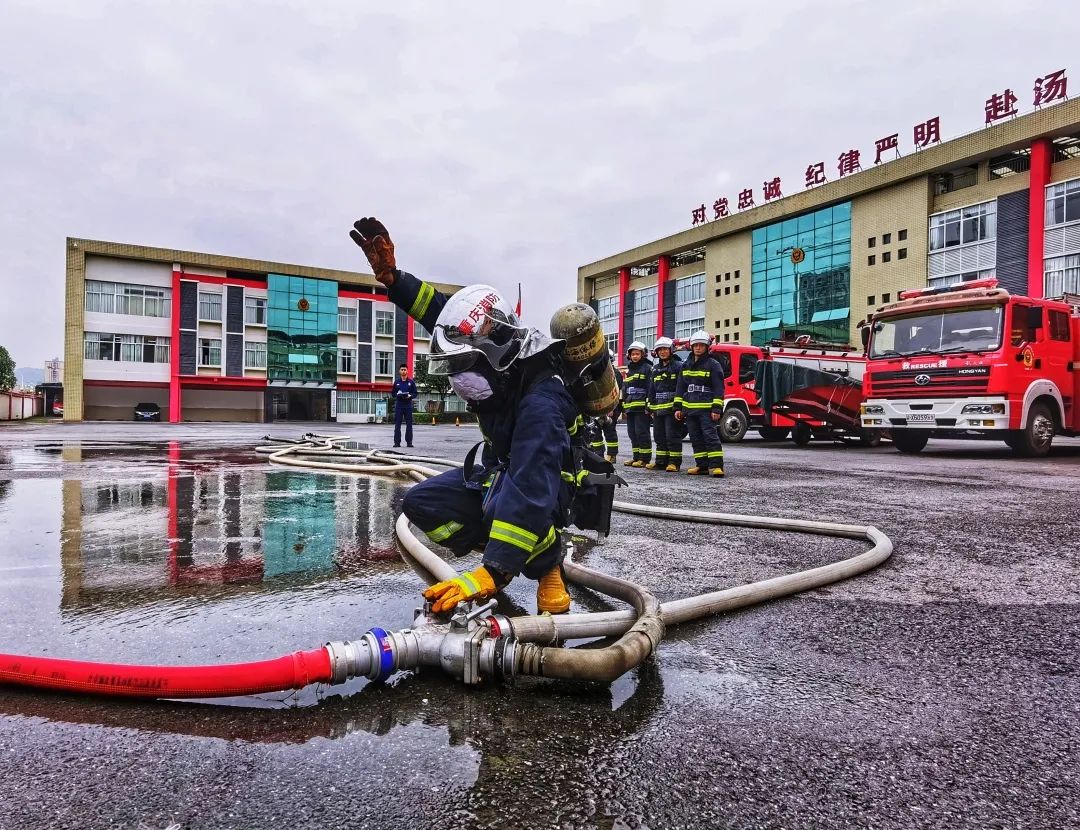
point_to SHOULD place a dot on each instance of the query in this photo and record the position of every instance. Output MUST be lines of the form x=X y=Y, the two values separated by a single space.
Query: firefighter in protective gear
x=512 y=500
x=601 y=436
x=667 y=431
x=635 y=398
x=699 y=400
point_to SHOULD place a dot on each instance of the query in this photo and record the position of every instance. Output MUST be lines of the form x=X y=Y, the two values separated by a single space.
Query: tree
x=432 y=384
x=7 y=370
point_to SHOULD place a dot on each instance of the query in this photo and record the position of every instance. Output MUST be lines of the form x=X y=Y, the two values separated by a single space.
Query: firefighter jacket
x=636 y=387
x=701 y=385
x=527 y=469
x=665 y=378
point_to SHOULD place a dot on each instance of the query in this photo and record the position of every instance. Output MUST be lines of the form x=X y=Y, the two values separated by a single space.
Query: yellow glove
x=477 y=584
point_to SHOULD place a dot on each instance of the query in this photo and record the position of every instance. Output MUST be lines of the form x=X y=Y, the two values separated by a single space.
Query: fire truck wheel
x=910 y=440
x=773 y=433
x=869 y=437
x=733 y=425
x=801 y=433
x=1035 y=438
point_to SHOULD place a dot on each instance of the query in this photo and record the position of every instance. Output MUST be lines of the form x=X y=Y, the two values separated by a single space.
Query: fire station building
x=218 y=338
x=1001 y=202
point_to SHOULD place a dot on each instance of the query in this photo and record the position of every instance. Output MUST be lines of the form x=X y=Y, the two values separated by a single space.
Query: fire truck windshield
x=938 y=332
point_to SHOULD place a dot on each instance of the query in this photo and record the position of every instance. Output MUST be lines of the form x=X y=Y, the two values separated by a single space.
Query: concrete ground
x=941 y=690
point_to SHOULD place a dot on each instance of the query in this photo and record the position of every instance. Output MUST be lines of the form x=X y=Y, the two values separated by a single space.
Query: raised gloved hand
x=478 y=584
x=374 y=240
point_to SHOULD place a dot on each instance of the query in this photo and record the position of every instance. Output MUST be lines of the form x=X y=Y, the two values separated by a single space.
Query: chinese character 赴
x=815 y=174
x=927 y=132
x=1000 y=106
x=699 y=214
x=890 y=142
x=772 y=189
x=849 y=162
x=1052 y=87
x=720 y=207
x=746 y=199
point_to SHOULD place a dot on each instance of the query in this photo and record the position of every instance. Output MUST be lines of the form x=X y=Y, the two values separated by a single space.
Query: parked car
x=147 y=412
x=58 y=408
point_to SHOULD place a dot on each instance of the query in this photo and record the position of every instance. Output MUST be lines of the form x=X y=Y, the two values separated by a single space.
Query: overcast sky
x=500 y=142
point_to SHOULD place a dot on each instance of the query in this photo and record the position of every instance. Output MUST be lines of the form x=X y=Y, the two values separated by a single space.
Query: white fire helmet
x=700 y=336
x=477 y=321
x=637 y=344
x=663 y=343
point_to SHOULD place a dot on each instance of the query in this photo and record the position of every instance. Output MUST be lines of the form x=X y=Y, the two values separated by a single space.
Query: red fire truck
x=973 y=360
x=802 y=414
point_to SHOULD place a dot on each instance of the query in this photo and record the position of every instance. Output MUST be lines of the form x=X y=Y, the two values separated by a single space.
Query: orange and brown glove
x=445 y=596
x=374 y=240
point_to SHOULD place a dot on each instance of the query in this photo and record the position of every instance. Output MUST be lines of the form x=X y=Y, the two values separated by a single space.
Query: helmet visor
x=453 y=350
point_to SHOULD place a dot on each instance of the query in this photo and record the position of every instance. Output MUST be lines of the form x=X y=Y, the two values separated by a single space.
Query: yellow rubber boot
x=628 y=463
x=610 y=459
x=551 y=596
x=671 y=468
x=637 y=464
x=716 y=472
x=651 y=465
x=695 y=471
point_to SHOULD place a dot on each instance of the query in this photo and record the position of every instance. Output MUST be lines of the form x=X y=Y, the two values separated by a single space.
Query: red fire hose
x=293 y=671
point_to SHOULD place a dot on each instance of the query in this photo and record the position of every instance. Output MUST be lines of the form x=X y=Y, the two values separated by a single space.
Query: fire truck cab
x=973 y=360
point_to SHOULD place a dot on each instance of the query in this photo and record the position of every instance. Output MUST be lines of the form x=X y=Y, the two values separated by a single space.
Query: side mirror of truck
x=864 y=333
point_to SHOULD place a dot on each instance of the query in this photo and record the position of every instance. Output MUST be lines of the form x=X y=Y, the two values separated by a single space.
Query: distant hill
x=29 y=376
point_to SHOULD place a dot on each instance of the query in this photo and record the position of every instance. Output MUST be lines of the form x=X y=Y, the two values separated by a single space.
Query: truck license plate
x=921 y=418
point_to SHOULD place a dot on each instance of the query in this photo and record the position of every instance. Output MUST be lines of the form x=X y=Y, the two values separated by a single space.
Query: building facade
x=1001 y=202
x=214 y=338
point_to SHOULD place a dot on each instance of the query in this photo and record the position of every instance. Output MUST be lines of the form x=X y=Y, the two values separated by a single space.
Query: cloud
x=500 y=142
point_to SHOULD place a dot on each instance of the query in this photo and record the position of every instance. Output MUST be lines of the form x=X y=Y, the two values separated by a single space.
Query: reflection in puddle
x=203 y=519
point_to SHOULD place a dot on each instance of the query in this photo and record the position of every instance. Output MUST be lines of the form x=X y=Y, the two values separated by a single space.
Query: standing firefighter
x=602 y=437
x=699 y=400
x=667 y=431
x=510 y=502
x=636 y=404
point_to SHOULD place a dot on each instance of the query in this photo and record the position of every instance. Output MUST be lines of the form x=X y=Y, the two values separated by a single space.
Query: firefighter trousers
x=637 y=427
x=708 y=451
x=602 y=438
x=451 y=513
x=669 y=435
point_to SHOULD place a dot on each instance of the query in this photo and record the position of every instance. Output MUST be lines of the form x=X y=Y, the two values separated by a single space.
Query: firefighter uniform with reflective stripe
x=699 y=393
x=513 y=502
x=602 y=438
x=667 y=430
x=636 y=406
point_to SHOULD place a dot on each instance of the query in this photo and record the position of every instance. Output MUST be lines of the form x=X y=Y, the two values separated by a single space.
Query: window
x=901 y=235
x=727 y=290
x=976 y=223
x=1059 y=325
x=870 y=300
x=902 y=253
x=420 y=363
x=209 y=307
x=737 y=287
x=735 y=337
x=959 y=330
x=886 y=297
x=123 y=298
x=1066 y=147
x=870 y=260
x=956 y=179
x=355 y=402
x=346 y=361
x=956 y=279
x=1026 y=321
x=254 y=355
x=727 y=323
x=886 y=238
x=1009 y=164
x=384 y=363
x=645 y=315
x=384 y=323
x=129 y=348
x=689 y=305
x=255 y=311
x=1063 y=203
x=871 y=242
x=1061 y=275
x=419 y=332
x=886 y=256
x=607 y=309
x=210 y=349
x=727 y=338
x=346 y=319
x=724 y=359
x=747 y=366
x=736 y=321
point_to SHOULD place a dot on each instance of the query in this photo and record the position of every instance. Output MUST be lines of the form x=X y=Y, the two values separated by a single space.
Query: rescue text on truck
x=973 y=360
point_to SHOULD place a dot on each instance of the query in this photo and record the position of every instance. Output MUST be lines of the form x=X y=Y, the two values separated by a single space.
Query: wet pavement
x=941 y=690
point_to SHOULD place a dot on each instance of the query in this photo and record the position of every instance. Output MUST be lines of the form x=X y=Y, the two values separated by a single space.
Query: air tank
x=585 y=359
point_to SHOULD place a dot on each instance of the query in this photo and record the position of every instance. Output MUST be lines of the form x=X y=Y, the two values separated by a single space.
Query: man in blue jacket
x=512 y=500
x=405 y=393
